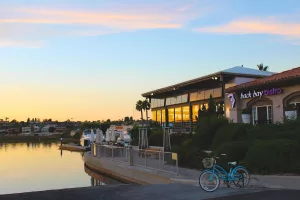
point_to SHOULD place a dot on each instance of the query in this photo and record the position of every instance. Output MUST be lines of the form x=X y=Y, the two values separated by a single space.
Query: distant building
x=60 y=129
x=26 y=130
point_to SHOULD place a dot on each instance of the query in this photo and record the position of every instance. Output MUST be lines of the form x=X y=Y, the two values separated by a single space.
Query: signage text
x=260 y=93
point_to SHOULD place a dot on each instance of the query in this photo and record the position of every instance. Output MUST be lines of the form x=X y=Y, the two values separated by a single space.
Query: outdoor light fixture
x=214 y=78
x=174 y=88
x=152 y=94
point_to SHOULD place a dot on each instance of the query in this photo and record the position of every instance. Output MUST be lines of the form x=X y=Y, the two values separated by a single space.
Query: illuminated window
x=153 y=115
x=178 y=114
x=163 y=116
x=186 y=113
x=195 y=109
x=205 y=106
x=159 y=116
x=171 y=115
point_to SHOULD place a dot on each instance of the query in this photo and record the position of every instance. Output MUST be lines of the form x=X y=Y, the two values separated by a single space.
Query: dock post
x=61 y=141
x=130 y=156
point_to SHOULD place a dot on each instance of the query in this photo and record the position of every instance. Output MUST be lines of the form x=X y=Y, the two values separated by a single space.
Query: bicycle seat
x=232 y=163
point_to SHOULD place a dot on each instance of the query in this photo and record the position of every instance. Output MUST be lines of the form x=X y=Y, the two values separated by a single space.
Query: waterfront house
x=26 y=130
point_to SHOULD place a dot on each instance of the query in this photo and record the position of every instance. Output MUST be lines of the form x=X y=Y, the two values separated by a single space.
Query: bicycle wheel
x=241 y=177
x=209 y=181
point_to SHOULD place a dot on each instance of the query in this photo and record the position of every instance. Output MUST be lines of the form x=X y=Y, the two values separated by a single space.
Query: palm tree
x=139 y=107
x=261 y=67
x=6 y=118
x=146 y=107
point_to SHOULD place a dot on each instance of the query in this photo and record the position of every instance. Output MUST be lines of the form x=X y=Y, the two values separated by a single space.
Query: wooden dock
x=74 y=147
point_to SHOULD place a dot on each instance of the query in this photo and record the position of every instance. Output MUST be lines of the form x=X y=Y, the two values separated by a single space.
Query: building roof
x=236 y=71
x=283 y=76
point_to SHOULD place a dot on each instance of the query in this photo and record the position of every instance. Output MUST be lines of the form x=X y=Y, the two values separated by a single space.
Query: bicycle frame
x=223 y=174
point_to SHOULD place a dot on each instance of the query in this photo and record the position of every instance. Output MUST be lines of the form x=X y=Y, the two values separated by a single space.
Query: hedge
x=228 y=133
x=206 y=130
x=235 y=151
x=272 y=156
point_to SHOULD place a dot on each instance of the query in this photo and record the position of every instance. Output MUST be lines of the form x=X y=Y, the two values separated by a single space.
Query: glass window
x=186 y=113
x=168 y=101
x=171 y=115
x=159 y=116
x=178 y=99
x=184 y=98
x=163 y=116
x=217 y=92
x=178 y=114
x=193 y=96
x=205 y=106
x=153 y=115
x=195 y=109
x=153 y=103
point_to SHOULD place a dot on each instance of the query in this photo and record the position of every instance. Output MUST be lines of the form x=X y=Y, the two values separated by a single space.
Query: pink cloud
x=255 y=27
x=147 y=19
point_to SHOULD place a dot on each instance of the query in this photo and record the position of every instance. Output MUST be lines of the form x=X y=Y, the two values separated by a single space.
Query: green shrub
x=235 y=151
x=272 y=156
x=206 y=130
x=178 y=139
x=156 y=137
x=228 y=133
x=271 y=131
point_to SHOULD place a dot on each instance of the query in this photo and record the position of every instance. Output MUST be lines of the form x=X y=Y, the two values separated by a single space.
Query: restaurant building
x=177 y=106
x=268 y=100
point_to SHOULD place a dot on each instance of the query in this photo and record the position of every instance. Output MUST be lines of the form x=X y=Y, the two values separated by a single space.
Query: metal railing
x=152 y=159
x=119 y=154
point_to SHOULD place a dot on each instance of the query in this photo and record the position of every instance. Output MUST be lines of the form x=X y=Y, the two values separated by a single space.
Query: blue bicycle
x=209 y=180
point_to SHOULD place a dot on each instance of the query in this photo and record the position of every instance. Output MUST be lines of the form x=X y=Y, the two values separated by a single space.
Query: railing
x=151 y=159
x=119 y=154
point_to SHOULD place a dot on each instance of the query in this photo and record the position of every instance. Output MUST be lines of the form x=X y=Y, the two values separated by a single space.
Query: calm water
x=26 y=167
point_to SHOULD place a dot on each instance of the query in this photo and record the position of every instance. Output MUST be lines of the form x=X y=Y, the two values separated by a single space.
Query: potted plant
x=246 y=115
x=290 y=111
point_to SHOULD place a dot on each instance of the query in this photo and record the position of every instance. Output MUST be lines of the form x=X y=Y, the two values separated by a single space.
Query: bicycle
x=236 y=174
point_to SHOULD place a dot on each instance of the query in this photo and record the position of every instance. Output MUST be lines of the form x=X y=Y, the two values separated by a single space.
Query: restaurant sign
x=261 y=93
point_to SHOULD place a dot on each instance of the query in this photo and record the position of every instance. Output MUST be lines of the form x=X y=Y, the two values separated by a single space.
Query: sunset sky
x=92 y=59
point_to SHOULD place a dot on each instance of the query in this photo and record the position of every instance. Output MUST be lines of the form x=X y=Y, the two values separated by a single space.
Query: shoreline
x=32 y=138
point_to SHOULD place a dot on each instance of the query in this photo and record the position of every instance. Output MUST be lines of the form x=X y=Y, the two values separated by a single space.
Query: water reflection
x=43 y=166
x=99 y=179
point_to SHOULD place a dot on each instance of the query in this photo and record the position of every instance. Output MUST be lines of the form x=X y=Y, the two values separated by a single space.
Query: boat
x=86 y=137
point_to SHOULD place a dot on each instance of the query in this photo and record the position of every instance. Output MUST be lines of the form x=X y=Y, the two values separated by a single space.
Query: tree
x=139 y=107
x=126 y=119
x=261 y=67
x=146 y=107
x=131 y=119
x=211 y=105
x=28 y=120
x=6 y=118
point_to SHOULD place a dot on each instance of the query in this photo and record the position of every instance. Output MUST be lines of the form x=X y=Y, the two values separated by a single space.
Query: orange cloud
x=255 y=27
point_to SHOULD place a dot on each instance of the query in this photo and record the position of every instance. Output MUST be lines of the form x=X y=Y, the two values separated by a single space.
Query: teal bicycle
x=210 y=178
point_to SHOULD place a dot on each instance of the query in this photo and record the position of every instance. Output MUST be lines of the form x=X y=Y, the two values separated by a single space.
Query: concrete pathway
x=190 y=176
x=134 y=192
